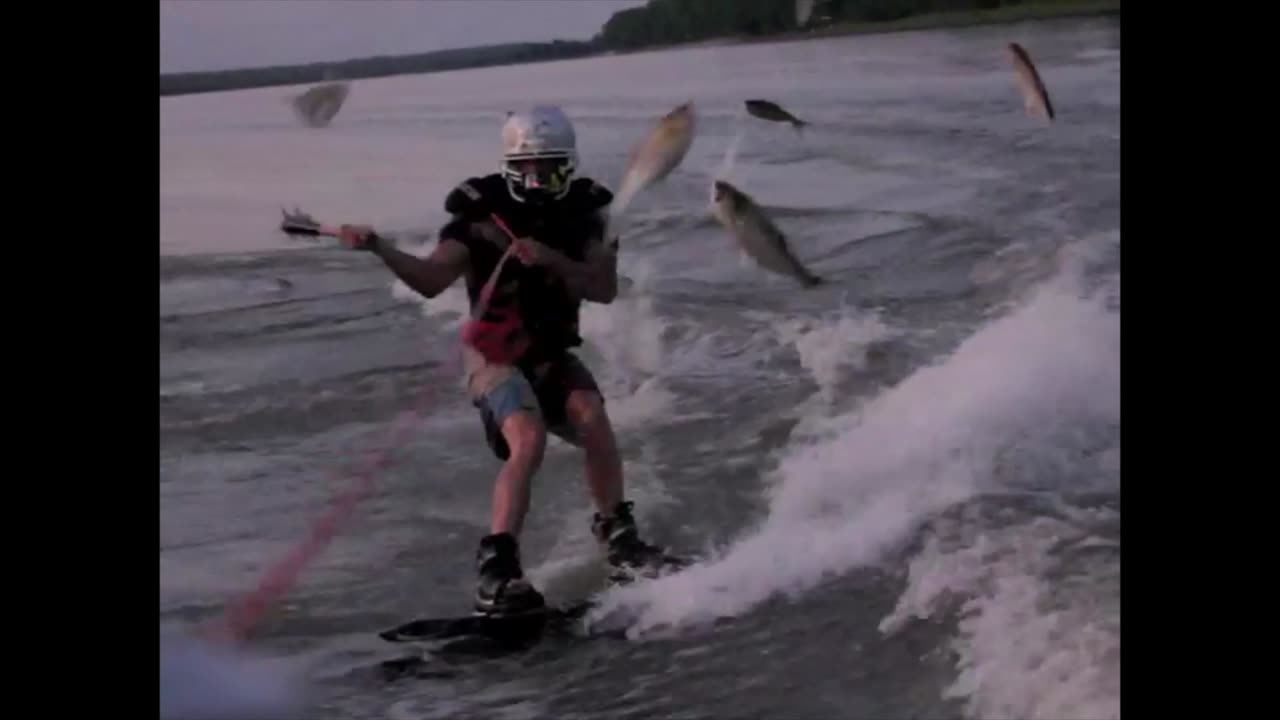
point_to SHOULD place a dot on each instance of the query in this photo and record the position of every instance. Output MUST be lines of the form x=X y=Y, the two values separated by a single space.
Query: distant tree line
x=656 y=23
x=509 y=54
x=666 y=22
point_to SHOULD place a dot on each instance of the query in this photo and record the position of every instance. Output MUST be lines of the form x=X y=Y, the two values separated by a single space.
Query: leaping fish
x=654 y=157
x=1035 y=98
x=756 y=234
x=317 y=106
x=766 y=110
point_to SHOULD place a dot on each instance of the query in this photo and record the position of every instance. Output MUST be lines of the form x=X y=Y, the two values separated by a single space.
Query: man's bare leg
x=501 y=586
x=586 y=414
x=613 y=524
x=527 y=440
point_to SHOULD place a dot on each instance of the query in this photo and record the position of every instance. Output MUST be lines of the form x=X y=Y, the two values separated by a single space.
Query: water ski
x=518 y=630
x=502 y=628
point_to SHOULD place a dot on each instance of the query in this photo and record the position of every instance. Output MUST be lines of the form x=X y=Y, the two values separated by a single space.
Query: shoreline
x=1005 y=15
x=1044 y=10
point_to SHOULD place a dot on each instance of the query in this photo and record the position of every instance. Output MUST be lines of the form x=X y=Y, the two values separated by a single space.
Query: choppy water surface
x=905 y=482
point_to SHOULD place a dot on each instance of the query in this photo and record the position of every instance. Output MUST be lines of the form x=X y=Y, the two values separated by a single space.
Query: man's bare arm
x=427 y=276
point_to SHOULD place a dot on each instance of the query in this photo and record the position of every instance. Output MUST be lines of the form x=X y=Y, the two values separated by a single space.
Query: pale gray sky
x=221 y=34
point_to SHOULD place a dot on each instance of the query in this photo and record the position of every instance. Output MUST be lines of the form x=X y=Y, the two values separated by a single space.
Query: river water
x=903 y=485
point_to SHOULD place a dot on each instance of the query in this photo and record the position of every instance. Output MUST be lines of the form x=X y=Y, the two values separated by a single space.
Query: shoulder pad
x=591 y=193
x=471 y=198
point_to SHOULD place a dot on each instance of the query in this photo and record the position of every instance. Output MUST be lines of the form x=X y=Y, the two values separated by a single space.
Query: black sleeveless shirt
x=570 y=225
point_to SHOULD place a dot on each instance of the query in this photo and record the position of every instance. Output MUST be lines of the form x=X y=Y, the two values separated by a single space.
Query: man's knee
x=586 y=413
x=510 y=410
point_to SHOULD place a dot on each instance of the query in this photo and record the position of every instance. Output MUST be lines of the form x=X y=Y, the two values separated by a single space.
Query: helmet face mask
x=538 y=179
x=539 y=154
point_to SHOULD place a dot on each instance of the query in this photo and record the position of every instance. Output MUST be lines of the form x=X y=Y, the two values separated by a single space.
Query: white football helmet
x=539 y=153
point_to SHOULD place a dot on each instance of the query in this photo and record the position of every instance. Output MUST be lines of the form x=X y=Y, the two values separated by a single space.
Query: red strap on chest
x=501 y=340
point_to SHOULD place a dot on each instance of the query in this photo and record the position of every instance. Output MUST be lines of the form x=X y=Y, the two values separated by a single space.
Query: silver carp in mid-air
x=654 y=157
x=766 y=110
x=317 y=106
x=1035 y=98
x=756 y=234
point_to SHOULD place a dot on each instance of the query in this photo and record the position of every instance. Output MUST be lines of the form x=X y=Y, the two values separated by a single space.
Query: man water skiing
x=521 y=374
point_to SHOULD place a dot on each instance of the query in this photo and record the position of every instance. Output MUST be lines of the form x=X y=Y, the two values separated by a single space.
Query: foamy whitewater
x=902 y=488
x=861 y=483
x=201 y=680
